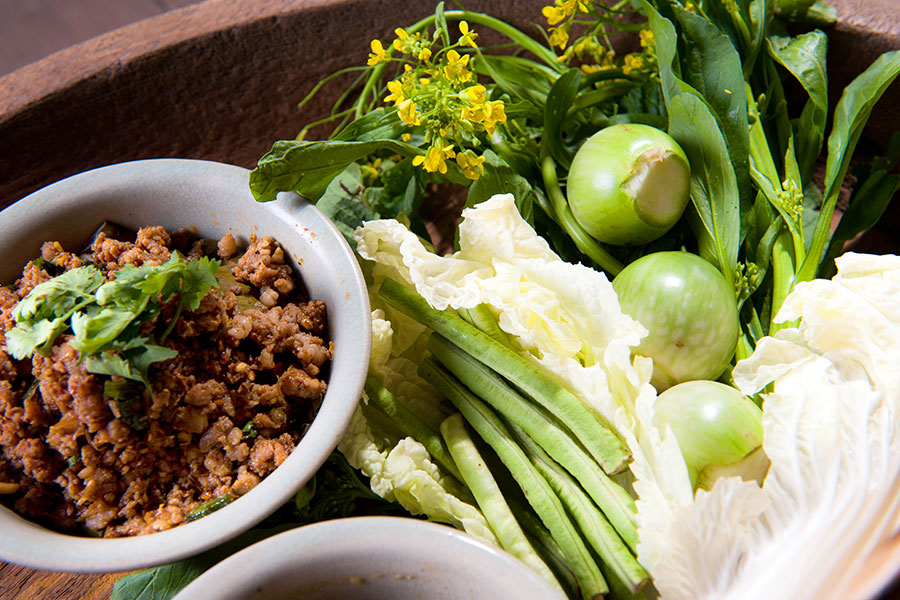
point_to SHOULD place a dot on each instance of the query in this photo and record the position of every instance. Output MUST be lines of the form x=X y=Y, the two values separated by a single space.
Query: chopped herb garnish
x=129 y=397
x=249 y=430
x=208 y=507
x=105 y=316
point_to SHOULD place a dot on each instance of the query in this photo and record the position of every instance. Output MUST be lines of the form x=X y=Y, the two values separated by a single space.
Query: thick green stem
x=411 y=424
x=619 y=561
x=545 y=545
x=566 y=220
x=612 y=499
x=539 y=493
x=477 y=476
x=482 y=318
x=782 y=276
x=607 y=449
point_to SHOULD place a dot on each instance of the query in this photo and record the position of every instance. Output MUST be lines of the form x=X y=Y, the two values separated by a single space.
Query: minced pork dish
x=190 y=407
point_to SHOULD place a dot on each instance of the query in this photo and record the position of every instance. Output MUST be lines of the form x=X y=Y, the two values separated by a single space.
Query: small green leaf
x=198 y=279
x=804 y=56
x=378 y=124
x=112 y=364
x=559 y=100
x=401 y=193
x=712 y=67
x=95 y=328
x=850 y=116
x=36 y=336
x=142 y=358
x=440 y=23
x=500 y=178
x=341 y=202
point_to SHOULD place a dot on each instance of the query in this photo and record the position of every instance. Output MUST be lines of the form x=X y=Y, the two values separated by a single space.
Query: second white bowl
x=370 y=558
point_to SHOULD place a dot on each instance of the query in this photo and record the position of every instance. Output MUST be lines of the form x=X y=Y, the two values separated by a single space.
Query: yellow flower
x=406 y=136
x=633 y=62
x=378 y=53
x=559 y=36
x=475 y=94
x=402 y=38
x=647 y=39
x=455 y=68
x=396 y=92
x=496 y=115
x=554 y=14
x=583 y=5
x=435 y=160
x=407 y=112
x=424 y=54
x=588 y=69
x=468 y=37
x=564 y=8
x=473 y=115
x=471 y=164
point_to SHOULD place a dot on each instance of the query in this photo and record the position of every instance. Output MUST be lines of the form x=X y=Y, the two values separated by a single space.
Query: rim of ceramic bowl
x=28 y=544
x=361 y=549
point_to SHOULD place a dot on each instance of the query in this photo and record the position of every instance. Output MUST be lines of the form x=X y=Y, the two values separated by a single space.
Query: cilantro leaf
x=97 y=327
x=131 y=364
x=60 y=295
x=198 y=279
x=38 y=336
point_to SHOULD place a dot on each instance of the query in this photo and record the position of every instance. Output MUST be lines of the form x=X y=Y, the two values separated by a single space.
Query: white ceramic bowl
x=370 y=558
x=213 y=199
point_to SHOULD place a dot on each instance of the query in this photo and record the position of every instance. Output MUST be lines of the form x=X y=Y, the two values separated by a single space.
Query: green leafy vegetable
x=44 y=313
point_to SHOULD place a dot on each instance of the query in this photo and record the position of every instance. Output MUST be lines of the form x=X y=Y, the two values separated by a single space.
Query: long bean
x=482 y=318
x=546 y=546
x=477 y=476
x=539 y=493
x=596 y=530
x=411 y=424
x=600 y=441
x=612 y=499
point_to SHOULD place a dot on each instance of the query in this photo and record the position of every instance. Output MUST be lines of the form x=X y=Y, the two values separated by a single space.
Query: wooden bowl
x=221 y=81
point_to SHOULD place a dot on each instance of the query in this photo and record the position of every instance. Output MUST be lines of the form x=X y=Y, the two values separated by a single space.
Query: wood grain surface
x=17 y=583
x=221 y=79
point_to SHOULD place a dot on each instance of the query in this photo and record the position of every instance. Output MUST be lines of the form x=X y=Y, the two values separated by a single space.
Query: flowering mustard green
x=438 y=93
